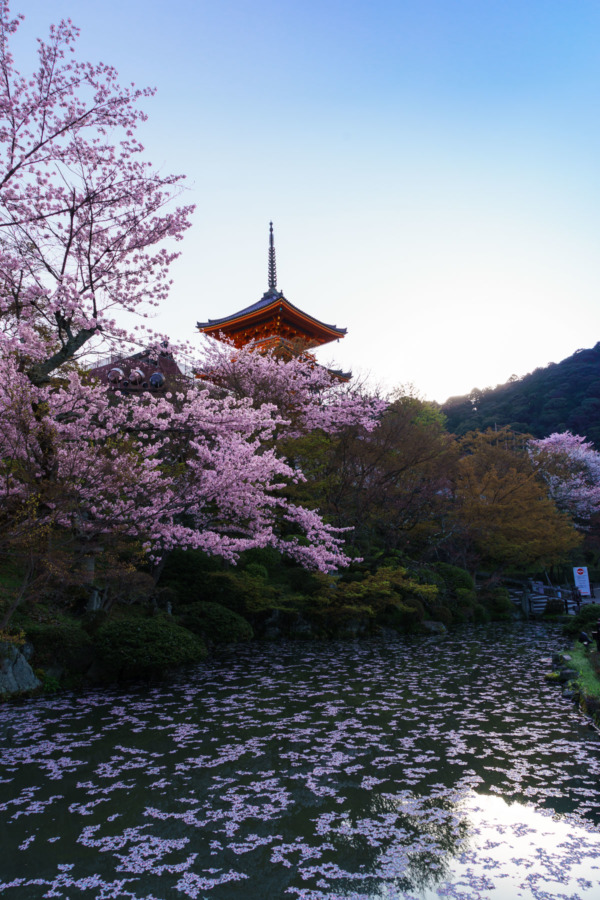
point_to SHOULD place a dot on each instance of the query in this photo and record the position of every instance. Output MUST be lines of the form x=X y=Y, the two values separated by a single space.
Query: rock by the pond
x=435 y=627
x=16 y=675
x=567 y=674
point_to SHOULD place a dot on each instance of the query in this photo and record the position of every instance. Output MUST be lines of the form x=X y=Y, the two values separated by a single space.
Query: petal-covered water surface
x=369 y=771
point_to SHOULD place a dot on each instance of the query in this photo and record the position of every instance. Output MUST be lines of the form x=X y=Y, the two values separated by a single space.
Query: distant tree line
x=560 y=397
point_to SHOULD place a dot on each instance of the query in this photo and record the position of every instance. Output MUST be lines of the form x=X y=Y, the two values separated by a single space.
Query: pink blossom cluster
x=87 y=223
x=193 y=471
x=307 y=395
x=570 y=467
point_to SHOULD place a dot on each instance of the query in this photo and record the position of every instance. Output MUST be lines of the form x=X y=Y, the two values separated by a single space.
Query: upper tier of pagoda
x=273 y=321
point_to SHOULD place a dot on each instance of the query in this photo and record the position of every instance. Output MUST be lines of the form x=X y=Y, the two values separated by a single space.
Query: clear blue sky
x=432 y=168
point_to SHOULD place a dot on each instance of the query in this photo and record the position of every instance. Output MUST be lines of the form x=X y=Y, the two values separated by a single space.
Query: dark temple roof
x=268 y=299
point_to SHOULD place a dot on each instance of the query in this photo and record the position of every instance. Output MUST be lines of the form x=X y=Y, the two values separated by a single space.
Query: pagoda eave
x=277 y=317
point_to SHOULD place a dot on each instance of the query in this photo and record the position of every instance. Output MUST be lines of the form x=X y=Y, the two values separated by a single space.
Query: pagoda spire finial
x=272 y=267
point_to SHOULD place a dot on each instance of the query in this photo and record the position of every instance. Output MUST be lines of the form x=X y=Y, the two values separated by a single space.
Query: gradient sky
x=431 y=167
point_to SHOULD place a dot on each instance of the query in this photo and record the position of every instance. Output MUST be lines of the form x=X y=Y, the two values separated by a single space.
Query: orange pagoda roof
x=272 y=321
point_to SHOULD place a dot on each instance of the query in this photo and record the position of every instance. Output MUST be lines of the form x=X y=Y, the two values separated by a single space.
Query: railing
x=186 y=366
x=534 y=601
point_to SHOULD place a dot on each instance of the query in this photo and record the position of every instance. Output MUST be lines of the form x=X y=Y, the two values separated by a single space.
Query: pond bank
x=575 y=672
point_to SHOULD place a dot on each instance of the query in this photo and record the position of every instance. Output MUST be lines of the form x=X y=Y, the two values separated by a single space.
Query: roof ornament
x=272 y=267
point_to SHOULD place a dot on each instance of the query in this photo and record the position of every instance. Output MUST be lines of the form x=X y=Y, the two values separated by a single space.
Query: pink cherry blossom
x=87 y=224
x=570 y=467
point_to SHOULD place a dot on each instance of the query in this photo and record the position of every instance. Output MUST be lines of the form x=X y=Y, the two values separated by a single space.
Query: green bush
x=455 y=578
x=443 y=614
x=584 y=620
x=257 y=571
x=142 y=648
x=480 y=614
x=65 y=644
x=496 y=600
x=240 y=591
x=403 y=617
x=302 y=581
x=554 y=607
x=465 y=597
x=268 y=557
x=216 y=623
x=186 y=573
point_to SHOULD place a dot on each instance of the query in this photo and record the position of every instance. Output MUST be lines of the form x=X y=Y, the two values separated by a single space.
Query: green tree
x=390 y=485
x=502 y=518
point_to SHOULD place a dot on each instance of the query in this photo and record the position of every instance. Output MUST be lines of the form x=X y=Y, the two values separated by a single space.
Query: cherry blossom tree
x=570 y=467
x=189 y=471
x=86 y=224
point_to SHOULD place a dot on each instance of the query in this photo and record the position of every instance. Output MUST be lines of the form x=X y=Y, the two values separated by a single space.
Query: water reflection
x=515 y=850
x=316 y=772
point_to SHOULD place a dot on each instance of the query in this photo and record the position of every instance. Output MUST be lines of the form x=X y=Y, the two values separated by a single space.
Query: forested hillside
x=563 y=396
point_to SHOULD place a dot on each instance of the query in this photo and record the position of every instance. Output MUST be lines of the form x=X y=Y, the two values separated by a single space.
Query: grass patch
x=587 y=679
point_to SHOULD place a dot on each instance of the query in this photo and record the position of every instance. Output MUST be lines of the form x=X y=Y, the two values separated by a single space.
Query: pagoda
x=273 y=323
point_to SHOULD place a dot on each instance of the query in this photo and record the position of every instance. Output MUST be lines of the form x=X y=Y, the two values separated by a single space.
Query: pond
x=369 y=771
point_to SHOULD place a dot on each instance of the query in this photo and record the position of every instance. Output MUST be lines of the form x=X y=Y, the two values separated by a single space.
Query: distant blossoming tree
x=570 y=467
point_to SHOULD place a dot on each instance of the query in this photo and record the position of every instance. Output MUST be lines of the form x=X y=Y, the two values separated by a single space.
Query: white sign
x=580 y=573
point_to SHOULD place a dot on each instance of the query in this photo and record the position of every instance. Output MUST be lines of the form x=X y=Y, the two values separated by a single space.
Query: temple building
x=154 y=370
x=273 y=323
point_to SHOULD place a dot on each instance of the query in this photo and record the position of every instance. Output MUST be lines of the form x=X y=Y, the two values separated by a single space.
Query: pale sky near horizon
x=431 y=168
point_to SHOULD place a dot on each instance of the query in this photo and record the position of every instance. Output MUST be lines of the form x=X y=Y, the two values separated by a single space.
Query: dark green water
x=370 y=771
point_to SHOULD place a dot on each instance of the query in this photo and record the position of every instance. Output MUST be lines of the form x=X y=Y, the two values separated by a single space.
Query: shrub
x=496 y=600
x=216 y=623
x=304 y=582
x=455 y=578
x=583 y=621
x=466 y=597
x=186 y=572
x=268 y=557
x=403 y=617
x=257 y=571
x=480 y=614
x=65 y=644
x=384 y=587
x=240 y=591
x=142 y=648
x=554 y=607
x=443 y=614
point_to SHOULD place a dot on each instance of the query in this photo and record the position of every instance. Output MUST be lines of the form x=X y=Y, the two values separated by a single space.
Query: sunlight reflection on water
x=514 y=850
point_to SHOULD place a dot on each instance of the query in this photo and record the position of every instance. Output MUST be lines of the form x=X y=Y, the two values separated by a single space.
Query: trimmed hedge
x=65 y=644
x=402 y=617
x=496 y=600
x=215 y=623
x=142 y=648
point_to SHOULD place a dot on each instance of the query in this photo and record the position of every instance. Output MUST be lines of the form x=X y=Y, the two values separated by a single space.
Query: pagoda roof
x=269 y=301
x=272 y=317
